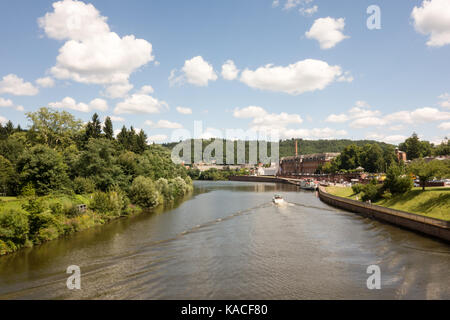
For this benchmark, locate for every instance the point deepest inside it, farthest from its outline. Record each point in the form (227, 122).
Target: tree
(108, 129)
(415, 148)
(371, 158)
(94, 128)
(443, 149)
(8, 176)
(53, 128)
(44, 168)
(350, 157)
(396, 179)
(424, 171)
(144, 193)
(141, 142)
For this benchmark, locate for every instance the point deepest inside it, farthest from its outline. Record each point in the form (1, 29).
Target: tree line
(59, 163)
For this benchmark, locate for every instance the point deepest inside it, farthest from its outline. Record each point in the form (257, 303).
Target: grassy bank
(433, 202)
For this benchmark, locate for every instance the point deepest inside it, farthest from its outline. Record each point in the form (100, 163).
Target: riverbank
(432, 203)
(29, 221)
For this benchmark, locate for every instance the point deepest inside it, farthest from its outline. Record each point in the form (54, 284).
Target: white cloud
(315, 133)
(249, 112)
(196, 71)
(116, 119)
(20, 108)
(444, 126)
(118, 90)
(309, 11)
(433, 18)
(445, 103)
(92, 53)
(367, 122)
(157, 138)
(295, 79)
(5, 102)
(140, 103)
(3, 120)
(264, 121)
(275, 3)
(164, 124)
(146, 89)
(291, 4)
(14, 85)
(46, 82)
(429, 114)
(395, 139)
(337, 118)
(327, 31)
(229, 70)
(70, 103)
(183, 110)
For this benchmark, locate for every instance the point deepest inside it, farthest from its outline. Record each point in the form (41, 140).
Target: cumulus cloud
(328, 31)
(3, 120)
(444, 126)
(433, 19)
(229, 70)
(362, 116)
(309, 11)
(157, 138)
(264, 121)
(314, 133)
(164, 124)
(183, 110)
(14, 85)
(300, 77)
(92, 53)
(116, 119)
(70, 103)
(46, 82)
(140, 103)
(195, 71)
(118, 90)
(5, 102)
(445, 100)
(146, 89)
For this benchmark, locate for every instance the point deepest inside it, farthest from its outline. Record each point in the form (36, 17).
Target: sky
(310, 69)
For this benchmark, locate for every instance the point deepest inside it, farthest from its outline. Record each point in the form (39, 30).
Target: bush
(143, 192)
(56, 208)
(14, 226)
(45, 227)
(108, 203)
(83, 185)
(357, 188)
(371, 192)
(28, 190)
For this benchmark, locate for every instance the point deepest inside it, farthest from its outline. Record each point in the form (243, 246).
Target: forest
(57, 164)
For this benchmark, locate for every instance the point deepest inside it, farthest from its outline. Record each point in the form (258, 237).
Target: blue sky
(381, 84)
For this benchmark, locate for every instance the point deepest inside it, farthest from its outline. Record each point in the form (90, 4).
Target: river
(228, 241)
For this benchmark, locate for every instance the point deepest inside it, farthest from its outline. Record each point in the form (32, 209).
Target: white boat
(277, 199)
(308, 184)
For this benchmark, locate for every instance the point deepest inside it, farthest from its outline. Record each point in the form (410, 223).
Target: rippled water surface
(228, 241)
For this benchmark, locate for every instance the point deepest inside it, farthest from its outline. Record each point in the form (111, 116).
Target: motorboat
(278, 200)
(308, 184)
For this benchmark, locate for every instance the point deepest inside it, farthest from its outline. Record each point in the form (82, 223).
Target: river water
(228, 241)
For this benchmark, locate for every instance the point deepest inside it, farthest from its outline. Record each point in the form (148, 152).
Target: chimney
(296, 149)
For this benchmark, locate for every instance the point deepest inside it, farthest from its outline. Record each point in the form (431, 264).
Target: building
(401, 155)
(305, 164)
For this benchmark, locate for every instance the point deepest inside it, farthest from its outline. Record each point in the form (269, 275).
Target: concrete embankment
(430, 226)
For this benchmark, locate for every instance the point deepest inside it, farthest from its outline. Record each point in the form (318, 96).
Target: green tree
(424, 171)
(53, 128)
(108, 129)
(94, 128)
(8, 177)
(415, 148)
(397, 181)
(371, 158)
(350, 157)
(44, 168)
(443, 149)
(144, 193)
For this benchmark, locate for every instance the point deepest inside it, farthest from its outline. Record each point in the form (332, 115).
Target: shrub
(45, 227)
(144, 193)
(14, 226)
(56, 208)
(83, 185)
(28, 190)
(108, 203)
(357, 188)
(371, 192)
